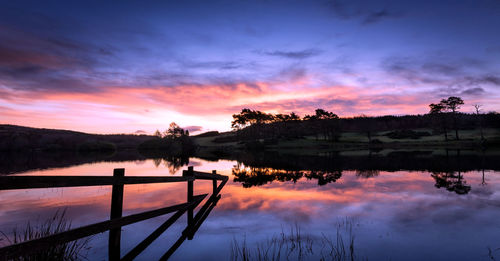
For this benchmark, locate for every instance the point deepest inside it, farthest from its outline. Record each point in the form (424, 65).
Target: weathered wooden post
(116, 212)
(190, 196)
(214, 183)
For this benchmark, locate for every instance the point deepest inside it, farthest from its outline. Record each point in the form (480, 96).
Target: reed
(293, 244)
(74, 250)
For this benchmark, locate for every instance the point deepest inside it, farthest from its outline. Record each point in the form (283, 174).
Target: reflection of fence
(116, 221)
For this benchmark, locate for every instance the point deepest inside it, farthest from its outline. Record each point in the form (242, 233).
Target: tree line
(175, 140)
(442, 117)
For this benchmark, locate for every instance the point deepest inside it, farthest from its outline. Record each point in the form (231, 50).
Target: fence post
(190, 195)
(214, 183)
(116, 212)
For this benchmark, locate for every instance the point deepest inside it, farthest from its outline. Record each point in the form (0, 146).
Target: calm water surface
(399, 215)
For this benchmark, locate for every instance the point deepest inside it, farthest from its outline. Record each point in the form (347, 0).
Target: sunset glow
(129, 66)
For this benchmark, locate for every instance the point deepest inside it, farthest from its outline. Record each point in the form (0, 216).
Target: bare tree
(480, 119)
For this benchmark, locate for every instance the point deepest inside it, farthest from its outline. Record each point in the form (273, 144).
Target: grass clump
(74, 250)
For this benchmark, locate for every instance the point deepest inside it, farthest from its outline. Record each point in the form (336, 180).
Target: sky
(137, 66)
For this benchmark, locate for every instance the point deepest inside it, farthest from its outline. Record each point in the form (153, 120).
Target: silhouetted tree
(367, 127)
(174, 131)
(325, 122)
(438, 111)
(329, 124)
(325, 115)
(294, 117)
(286, 117)
(453, 104)
(249, 117)
(280, 117)
(158, 134)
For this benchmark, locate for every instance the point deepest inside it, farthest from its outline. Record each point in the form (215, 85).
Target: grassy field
(209, 141)
(355, 142)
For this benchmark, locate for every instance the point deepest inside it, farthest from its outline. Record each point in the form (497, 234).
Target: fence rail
(116, 221)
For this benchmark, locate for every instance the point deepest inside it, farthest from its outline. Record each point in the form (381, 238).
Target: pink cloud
(126, 109)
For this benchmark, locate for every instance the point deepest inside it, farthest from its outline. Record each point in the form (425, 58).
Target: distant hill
(19, 138)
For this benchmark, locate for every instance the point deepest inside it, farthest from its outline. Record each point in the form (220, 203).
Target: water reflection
(434, 161)
(409, 206)
(255, 176)
(451, 181)
(333, 162)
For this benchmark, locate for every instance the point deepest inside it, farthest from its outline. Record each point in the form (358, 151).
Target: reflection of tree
(257, 176)
(157, 162)
(451, 181)
(172, 163)
(324, 177)
(483, 181)
(175, 163)
(367, 173)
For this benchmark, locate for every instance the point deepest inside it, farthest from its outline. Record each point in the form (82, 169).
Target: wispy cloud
(362, 11)
(301, 54)
(448, 76)
(473, 91)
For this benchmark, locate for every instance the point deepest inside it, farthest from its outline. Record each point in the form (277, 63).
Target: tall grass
(294, 245)
(74, 250)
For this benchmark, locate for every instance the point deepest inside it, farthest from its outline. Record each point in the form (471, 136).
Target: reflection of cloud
(400, 202)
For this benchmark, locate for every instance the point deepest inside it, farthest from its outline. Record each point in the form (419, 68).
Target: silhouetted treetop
(436, 108)
(321, 114)
(175, 131)
(249, 117)
(452, 104)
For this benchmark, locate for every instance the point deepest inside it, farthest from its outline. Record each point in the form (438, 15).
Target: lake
(399, 207)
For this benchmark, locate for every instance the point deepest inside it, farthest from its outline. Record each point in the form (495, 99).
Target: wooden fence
(116, 221)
